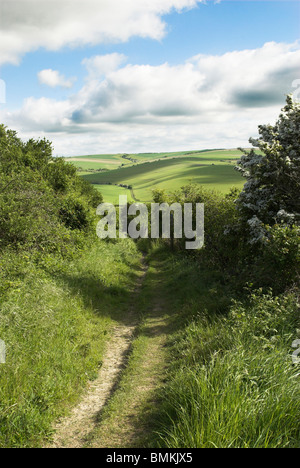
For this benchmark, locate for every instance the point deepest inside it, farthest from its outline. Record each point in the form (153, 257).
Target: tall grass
(55, 319)
(233, 383)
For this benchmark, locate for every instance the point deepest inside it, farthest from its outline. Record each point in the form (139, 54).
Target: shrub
(74, 214)
(271, 193)
(221, 245)
(277, 262)
(43, 202)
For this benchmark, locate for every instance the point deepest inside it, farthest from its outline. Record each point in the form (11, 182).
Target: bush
(74, 214)
(29, 214)
(271, 193)
(221, 245)
(43, 202)
(277, 261)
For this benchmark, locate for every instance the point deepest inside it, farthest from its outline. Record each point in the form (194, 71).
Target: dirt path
(71, 432)
(130, 418)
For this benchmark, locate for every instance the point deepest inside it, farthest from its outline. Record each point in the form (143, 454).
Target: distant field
(111, 161)
(105, 157)
(95, 162)
(213, 169)
(111, 193)
(211, 154)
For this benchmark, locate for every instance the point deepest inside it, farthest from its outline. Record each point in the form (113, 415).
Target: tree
(271, 193)
(42, 198)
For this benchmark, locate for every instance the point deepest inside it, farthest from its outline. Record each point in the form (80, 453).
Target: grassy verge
(231, 381)
(222, 369)
(204, 371)
(55, 320)
(130, 417)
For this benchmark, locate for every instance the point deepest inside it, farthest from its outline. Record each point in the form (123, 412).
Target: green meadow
(169, 171)
(96, 162)
(111, 193)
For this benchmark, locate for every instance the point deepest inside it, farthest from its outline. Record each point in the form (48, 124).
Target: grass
(204, 371)
(111, 193)
(129, 418)
(222, 369)
(169, 171)
(231, 383)
(214, 170)
(55, 321)
(91, 163)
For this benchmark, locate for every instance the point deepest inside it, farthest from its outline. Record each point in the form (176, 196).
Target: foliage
(233, 383)
(221, 246)
(276, 263)
(268, 206)
(271, 193)
(44, 204)
(273, 262)
(55, 318)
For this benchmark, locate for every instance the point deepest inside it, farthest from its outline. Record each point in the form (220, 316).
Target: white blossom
(271, 193)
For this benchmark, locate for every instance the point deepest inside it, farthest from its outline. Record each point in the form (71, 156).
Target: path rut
(71, 431)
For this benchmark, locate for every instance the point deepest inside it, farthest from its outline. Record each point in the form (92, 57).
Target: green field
(96, 162)
(169, 171)
(111, 193)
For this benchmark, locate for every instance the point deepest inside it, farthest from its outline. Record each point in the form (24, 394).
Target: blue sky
(149, 77)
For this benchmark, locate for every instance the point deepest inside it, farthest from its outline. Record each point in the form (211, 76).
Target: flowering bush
(271, 193)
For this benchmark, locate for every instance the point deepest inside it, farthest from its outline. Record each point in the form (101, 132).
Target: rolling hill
(169, 171)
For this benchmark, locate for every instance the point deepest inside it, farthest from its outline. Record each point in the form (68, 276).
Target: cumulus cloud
(100, 65)
(203, 87)
(26, 25)
(53, 79)
(139, 92)
(208, 101)
(40, 115)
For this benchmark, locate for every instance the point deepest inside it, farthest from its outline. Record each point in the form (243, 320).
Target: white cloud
(204, 88)
(103, 64)
(26, 25)
(54, 79)
(40, 115)
(208, 101)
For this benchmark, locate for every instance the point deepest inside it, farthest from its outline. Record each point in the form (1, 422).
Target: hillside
(170, 171)
(141, 343)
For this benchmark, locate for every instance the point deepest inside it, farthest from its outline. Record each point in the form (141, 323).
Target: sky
(130, 76)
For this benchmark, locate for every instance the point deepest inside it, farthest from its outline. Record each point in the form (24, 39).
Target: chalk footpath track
(72, 431)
